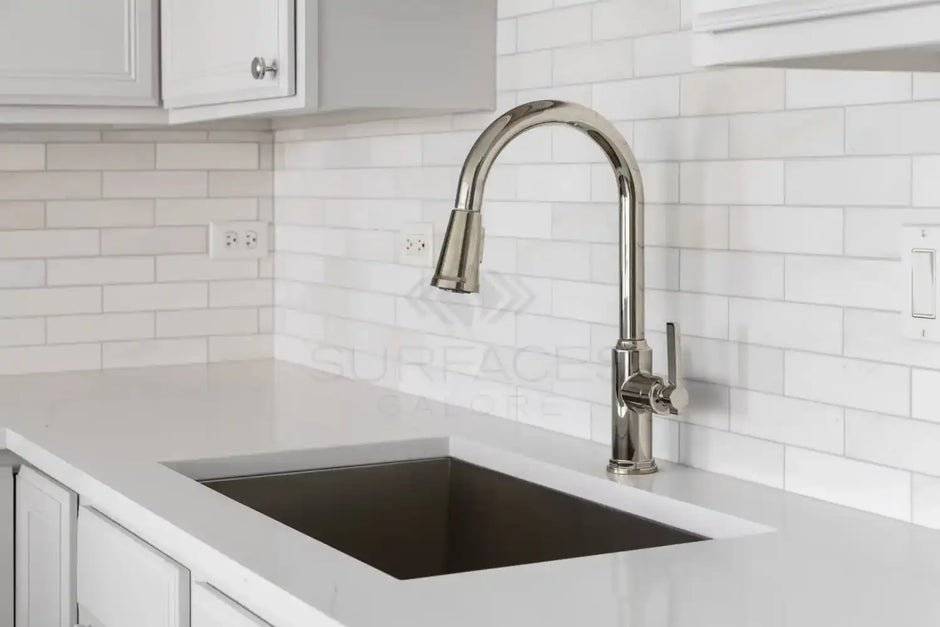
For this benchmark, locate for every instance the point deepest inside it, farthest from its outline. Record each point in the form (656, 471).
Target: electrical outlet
(238, 240)
(416, 244)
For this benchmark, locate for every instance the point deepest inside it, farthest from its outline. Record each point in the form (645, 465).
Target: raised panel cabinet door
(209, 47)
(45, 551)
(93, 52)
(211, 608)
(125, 582)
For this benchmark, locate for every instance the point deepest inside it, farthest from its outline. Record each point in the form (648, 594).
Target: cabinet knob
(260, 69)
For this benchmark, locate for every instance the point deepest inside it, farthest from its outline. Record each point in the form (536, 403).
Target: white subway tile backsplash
(788, 420)
(859, 181)
(156, 296)
(38, 359)
(876, 335)
(925, 389)
(161, 240)
(681, 139)
(926, 501)
(892, 129)
(810, 230)
(755, 275)
(893, 441)
(48, 243)
(98, 213)
(786, 325)
(143, 184)
(49, 301)
(524, 71)
(21, 214)
(628, 18)
(553, 29)
(99, 327)
(732, 91)
(22, 273)
(668, 53)
(162, 352)
(49, 185)
(598, 61)
(174, 268)
(830, 88)
(868, 283)
(812, 133)
(98, 156)
(847, 382)
(22, 157)
(99, 270)
(638, 99)
(206, 322)
(732, 454)
(22, 332)
(844, 481)
(926, 183)
(78, 242)
(732, 182)
(202, 156)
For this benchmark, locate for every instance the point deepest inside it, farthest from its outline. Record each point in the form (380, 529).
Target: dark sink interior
(439, 516)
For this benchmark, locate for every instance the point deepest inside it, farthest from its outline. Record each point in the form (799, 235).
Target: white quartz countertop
(106, 434)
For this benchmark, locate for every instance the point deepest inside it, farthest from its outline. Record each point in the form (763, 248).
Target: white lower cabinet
(125, 582)
(211, 608)
(45, 551)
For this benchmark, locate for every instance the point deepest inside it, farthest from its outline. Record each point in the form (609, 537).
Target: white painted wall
(774, 204)
(103, 248)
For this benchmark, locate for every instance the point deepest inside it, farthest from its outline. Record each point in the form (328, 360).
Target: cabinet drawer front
(79, 53)
(123, 581)
(208, 47)
(45, 551)
(211, 608)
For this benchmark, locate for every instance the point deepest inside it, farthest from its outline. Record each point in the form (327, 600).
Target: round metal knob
(259, 69)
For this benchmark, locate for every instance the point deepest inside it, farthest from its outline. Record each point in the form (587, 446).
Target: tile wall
(774, 201)
(103, 248)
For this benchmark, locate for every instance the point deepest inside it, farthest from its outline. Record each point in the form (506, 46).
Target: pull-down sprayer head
(458, 268)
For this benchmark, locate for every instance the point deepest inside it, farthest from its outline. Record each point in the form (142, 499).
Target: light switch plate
(920, 251)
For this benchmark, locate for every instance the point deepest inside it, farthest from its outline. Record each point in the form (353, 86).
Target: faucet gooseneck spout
(636, 391)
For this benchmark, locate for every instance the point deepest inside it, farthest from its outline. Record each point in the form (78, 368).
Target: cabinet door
(45, 551)
(123, 581)
(209, 45)
(94, 52)
(211, 608)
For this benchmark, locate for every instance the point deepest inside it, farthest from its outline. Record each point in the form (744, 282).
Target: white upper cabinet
(88, 52)
(840, 34)
(46, 516)
(125, 582)
(373, 57)
(209, 47)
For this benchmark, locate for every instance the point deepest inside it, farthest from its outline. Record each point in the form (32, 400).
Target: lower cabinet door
(45, 551)
(211, 608)
(125, 582)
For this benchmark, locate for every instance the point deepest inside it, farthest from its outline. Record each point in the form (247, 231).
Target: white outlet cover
(244, 246)
(416, 244)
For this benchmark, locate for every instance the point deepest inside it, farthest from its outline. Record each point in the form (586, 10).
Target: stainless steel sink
(438, 516)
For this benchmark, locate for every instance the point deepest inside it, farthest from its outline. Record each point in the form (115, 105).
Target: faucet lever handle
(675, 393)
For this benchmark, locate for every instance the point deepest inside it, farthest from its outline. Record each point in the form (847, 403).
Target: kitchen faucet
(637, 392)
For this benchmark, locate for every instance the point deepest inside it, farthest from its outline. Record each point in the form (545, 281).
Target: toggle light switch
(923, 283)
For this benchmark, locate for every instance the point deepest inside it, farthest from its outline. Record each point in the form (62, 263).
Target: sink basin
(428, 517)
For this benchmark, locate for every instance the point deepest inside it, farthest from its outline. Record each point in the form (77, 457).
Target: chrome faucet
(637, 392)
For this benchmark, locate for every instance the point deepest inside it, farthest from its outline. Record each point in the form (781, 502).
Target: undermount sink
(427, 517)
